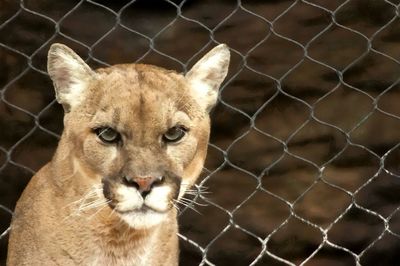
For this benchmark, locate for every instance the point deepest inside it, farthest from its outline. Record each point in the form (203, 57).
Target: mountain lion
(134, 141)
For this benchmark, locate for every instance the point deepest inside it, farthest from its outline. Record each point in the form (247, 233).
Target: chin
(143, 218)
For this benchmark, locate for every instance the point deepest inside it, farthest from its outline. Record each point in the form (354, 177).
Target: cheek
(182, 154)
(100, 157)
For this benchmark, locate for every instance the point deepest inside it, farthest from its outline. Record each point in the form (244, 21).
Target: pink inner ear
(62, 78)
(214, 78)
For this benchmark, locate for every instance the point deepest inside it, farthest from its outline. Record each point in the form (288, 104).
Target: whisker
(83, 198)
(92, 205)
(200, 187)
(93, 191)
(196, 193)
(69, 216)
(175, 206)
(92, 199)
(94, 214)
(190, 206)
(112, 211)
(88, 200)
(197, 188)
(189, 201)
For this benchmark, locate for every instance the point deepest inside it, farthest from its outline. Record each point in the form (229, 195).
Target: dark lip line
(143, 209)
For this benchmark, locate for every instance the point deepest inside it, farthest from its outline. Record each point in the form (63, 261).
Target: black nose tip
(143, 184)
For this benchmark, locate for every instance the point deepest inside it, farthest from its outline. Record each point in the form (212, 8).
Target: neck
(123, 243)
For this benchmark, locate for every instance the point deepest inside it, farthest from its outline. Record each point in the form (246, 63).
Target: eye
(174, 134)
(107, 135)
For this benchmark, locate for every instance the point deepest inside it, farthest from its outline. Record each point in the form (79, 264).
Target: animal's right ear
(70, 75)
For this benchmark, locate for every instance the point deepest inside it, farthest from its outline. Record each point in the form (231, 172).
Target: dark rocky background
(305, 139)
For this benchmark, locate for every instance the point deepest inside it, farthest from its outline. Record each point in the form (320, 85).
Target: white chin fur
(143, 220)
(158, 198)
(130, 201)
(129, 198)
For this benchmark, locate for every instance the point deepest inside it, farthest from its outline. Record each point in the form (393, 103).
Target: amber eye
(174, 134)
(107, 135)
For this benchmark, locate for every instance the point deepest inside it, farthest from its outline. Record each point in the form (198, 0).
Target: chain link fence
(303, 165)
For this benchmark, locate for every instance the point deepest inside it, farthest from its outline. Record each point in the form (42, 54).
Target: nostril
(143, 184)
(130, 182)
(158, 180)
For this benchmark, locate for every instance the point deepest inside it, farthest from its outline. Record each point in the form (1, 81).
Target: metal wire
(342, 70)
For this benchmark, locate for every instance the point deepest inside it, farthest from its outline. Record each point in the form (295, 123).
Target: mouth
(144, 209)
(143, 217)
(138, 205)
(126, 200)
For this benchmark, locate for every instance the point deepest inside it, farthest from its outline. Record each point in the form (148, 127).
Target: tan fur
(73, 210)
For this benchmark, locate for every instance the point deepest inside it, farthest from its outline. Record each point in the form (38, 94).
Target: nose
(143, 184)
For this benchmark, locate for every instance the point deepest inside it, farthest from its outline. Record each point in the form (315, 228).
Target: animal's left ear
(207, 74)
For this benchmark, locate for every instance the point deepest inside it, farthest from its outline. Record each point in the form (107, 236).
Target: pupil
(109, 134)
(174, 133)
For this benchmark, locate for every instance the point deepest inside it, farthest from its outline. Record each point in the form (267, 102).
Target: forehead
(141, 93)
(133, 79)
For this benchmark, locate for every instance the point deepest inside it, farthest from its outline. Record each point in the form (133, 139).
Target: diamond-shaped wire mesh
(303, 164)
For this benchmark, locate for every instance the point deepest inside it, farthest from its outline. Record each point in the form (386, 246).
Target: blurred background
(303, 165)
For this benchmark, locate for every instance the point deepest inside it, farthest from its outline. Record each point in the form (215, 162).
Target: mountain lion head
(139, 132)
